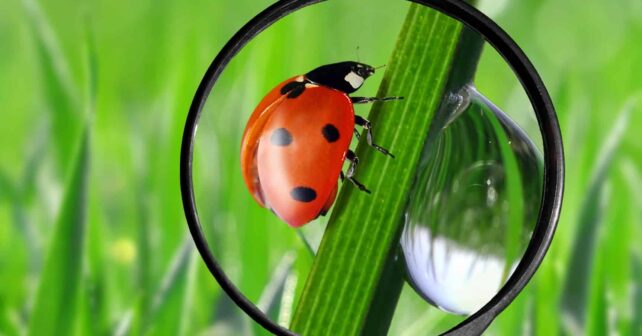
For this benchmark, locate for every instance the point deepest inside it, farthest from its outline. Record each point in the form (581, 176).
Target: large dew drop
(474, 204)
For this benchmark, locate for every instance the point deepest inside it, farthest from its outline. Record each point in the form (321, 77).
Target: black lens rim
(532, 84)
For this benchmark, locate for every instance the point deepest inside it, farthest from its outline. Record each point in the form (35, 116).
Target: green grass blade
(123, 325)
(597, 306)
(170, 309)
(8, 326)
(385, 299)
(270, 301)
(96, 316)
(229, 319)
(58, 85)
(576, 293)
(363, 232)
(636, 325)
(7, 190)
(272, 297)
(514, 194)
(93, 313)
(629, 300)
(55, 306)
(545, 285)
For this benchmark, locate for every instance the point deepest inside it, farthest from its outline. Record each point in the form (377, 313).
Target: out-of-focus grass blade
(21, 196)
(94, 317)
(35, 160)
(424, 323)
(302, 265)
(144, 278)
(84, 314)
(7, 189)
(517, 319)
(575, 297)
(56, 302)
(597, 320)
(415, 317)
(8, 326)
(123, 325)
(229, 320)
(288, 298)
(617, 244)
(97, 307)
(514, 190)
(58, 85)
(636, 325)
(428, 323)
(270, 299)
(170, 308)
(546, 283)
(632, 175)
(91, 65)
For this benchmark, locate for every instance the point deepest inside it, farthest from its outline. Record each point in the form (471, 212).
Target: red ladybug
(297, 138)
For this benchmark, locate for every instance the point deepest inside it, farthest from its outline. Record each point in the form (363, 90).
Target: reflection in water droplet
(473, 206)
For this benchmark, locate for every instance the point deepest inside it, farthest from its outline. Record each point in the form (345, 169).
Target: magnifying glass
(432, 252)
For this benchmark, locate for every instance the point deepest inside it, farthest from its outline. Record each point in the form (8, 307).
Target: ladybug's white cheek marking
(354, 80)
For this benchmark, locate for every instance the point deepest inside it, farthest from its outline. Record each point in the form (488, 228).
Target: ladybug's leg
(356, 134)
(366, 100)
(354, 161)
(368, 127)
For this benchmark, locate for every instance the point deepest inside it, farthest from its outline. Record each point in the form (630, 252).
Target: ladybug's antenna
(379, 67)
(358, 57)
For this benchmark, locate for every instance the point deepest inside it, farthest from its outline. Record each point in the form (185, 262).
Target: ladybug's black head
(345, 76)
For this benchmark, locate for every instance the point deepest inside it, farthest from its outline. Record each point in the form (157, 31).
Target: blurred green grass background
(96, 94)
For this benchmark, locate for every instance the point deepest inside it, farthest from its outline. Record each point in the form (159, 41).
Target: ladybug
(298, 137)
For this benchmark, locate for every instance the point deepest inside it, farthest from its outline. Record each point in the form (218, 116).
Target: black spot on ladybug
(303, 194)
(293, 89)
(281, 137)
(330, 133)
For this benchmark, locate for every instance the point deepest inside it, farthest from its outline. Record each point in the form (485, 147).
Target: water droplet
(473, 206)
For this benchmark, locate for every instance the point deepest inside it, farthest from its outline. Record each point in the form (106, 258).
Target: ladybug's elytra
(298, 137)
